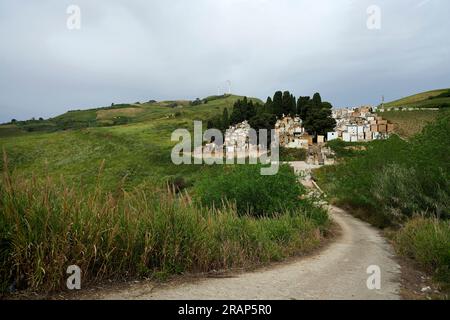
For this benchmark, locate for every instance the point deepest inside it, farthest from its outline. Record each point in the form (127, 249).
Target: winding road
(339, 271)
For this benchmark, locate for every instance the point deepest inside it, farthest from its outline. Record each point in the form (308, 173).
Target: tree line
(315, 113)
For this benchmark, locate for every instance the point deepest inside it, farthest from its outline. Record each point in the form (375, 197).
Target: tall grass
(428, 242)
(45, 226)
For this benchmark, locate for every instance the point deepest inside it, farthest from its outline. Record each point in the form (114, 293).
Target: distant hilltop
(430, 100)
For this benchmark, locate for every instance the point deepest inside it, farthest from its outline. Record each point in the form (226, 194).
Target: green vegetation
(10, 131)
(252, 193)
(120, 114)
(352, 182)
(134, 217)
(408, 124)
(315, 113)
(391, 183)
(429, 99)
(427, 242)
(401, 178)
(46, 226)
(135, 153)
(316, 116)
(289, 155)
(344, 149)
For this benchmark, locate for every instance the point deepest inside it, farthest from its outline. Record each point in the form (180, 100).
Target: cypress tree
(236, 115)
(225, 119)
(278, 104)
(302, 106)
(317, 100)
(286, 103)
(268, 107)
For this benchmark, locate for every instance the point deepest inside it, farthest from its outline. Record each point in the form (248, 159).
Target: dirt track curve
(337, 272)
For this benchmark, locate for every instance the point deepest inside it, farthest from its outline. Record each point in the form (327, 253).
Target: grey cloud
(130, 50)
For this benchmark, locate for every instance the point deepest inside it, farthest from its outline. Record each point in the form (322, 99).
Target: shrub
(196, 102)
(252, 193)
(427, 241)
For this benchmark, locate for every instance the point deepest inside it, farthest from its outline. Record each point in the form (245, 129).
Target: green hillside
(91, 188)
(430, 99)
(133, 139)
(408, 124)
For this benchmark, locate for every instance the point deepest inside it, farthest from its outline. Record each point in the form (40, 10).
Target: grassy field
(45, 226)
(408, 124)
(10, 131)
(133, 153)
(429, 99)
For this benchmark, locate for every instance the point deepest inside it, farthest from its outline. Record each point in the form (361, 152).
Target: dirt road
(337, 272)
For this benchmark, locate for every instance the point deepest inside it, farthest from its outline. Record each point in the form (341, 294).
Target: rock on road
(337, 272)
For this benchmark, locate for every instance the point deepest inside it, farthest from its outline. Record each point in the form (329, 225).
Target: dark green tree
(225, 119)
(243, 110)
(318, 118)
(277, 104)
(250, 110)
(317, 99)
(302, 104)
(263, 121)
(237, 116)
(268, 106)
(288, 104)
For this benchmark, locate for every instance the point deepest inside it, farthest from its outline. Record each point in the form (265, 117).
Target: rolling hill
(407, 124)
(134, 140)
(430, 99)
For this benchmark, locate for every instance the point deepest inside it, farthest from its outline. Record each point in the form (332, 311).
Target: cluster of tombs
(360, 124)
(352, 125)
(292, 134)
(240, 141)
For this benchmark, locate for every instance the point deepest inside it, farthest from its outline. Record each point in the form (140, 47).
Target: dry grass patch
(410, 123)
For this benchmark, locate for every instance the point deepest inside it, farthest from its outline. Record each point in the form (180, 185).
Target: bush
(252, 193)
(196, 102)
(427, 241)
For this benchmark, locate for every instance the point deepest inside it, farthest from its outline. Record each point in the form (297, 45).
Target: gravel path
(337, 272)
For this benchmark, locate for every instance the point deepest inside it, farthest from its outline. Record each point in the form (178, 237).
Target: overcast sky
(137, 50)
